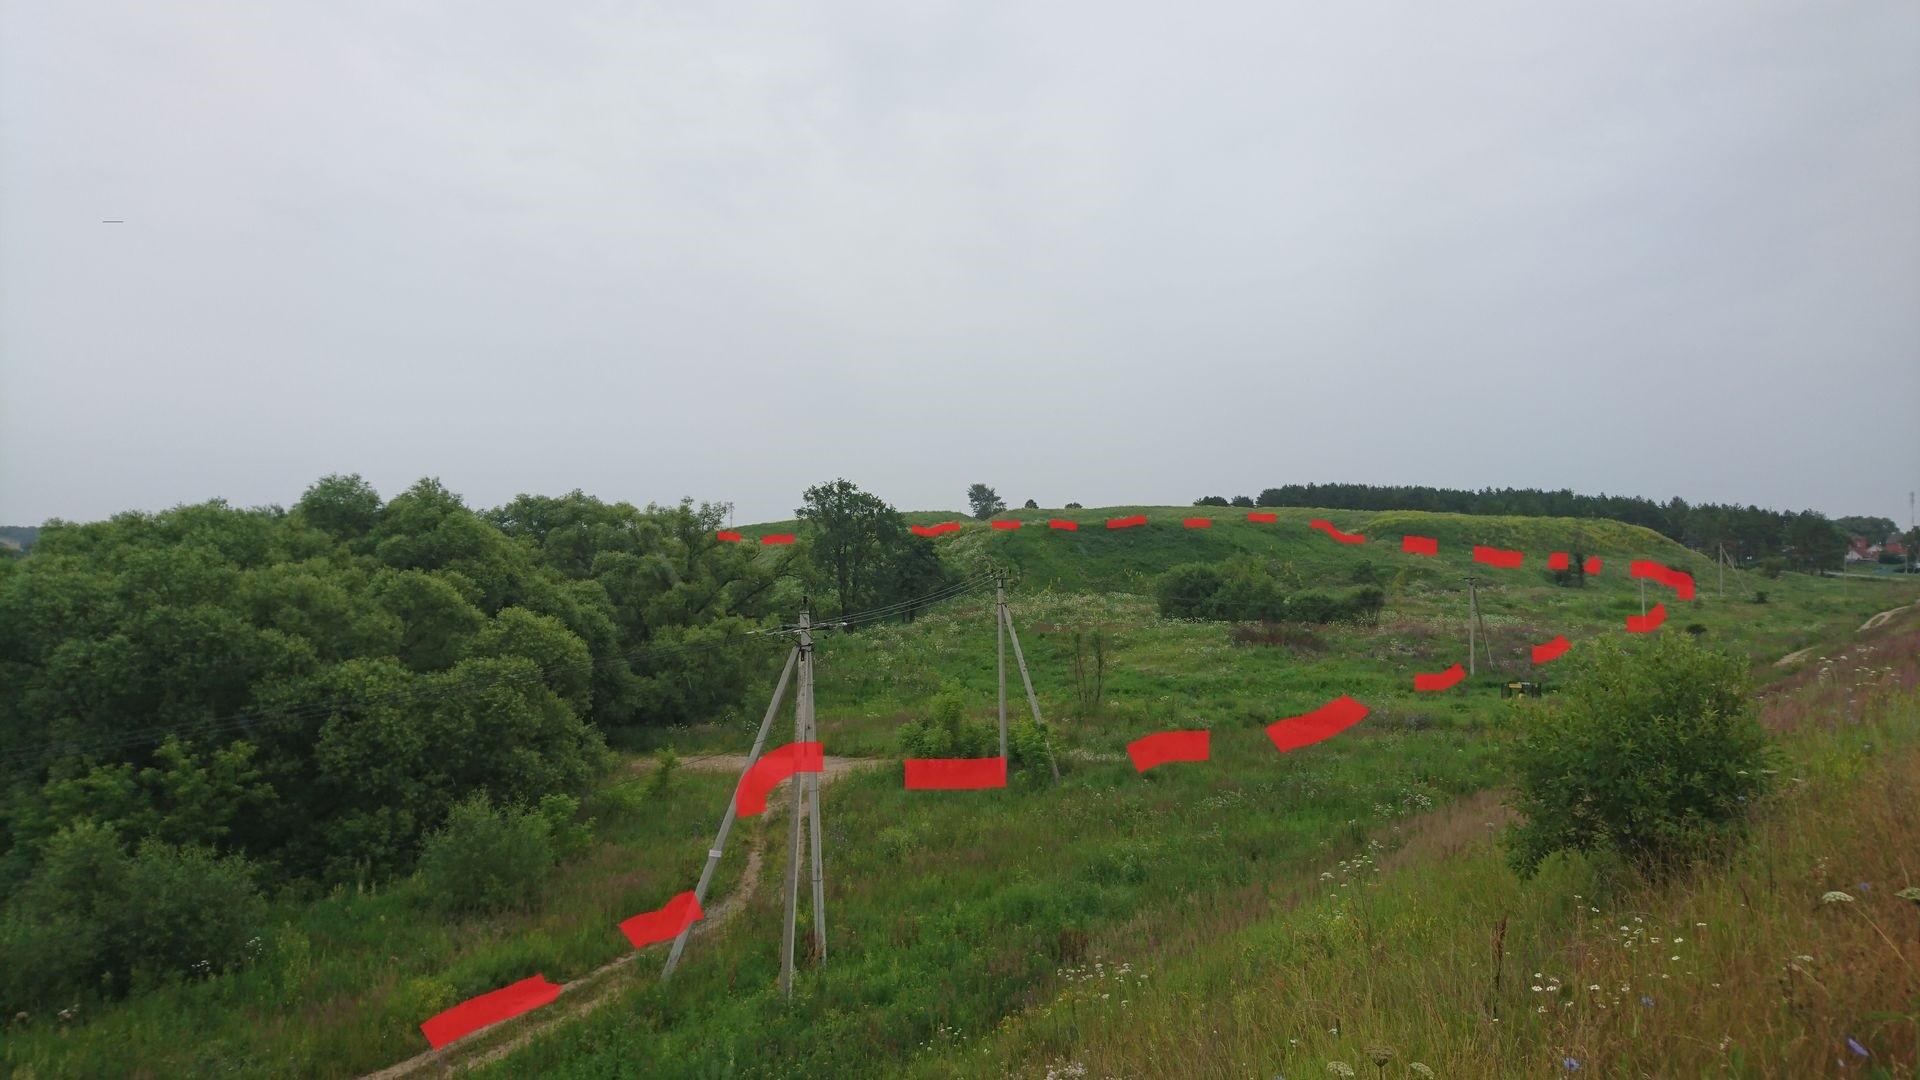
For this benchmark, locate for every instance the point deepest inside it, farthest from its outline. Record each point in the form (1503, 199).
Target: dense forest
(1805, 540)
(198, 703)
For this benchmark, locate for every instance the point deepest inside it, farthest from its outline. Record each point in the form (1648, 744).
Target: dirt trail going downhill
(594, 989)
(1882, 618)
(1873, 623)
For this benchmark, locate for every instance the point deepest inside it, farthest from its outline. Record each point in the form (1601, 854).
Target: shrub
(945, 732)
(1187, 591)
(1073, 506)
(94, 918)
(1031, 505)
(1243, 500)
(489, 858)
(1211, 500)
(1651, 754)
(1772, 567)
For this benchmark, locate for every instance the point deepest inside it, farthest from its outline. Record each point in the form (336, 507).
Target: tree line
(1805, 540)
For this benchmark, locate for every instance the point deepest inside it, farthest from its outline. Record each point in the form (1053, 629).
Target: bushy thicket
(1254, 590)
(318, 688)
(1651, 752)
(95, 919)
(490, 858)
(945, 732)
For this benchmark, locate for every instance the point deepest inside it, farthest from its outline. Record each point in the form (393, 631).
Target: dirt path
(594, 989)
(1882, 618)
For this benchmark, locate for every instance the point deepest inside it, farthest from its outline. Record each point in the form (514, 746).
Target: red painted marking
(650, 926)
(728, 535)
(926, 530)
(1557, 561)
(1642, 624)
(1505, 560)
(1439, 680)
(1679, 580)
(1127, 522)
(777, 538)
(1006, 524)
(1552, 650)
(1198, 523)
(750, 797)
(1592, 566)
(1420, 545)
(1169, 746)
(1253, 515)
(1343, 537)
(1056, 523)
(956, 774)
(1324, 722)
(475, 1013)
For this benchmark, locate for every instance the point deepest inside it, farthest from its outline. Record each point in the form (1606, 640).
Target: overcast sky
(1112, 252)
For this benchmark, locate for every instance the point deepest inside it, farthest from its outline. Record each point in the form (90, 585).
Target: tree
(1243, 500)
(343, 507)
(1874, 529)
(1031, 505)
(864, 547)
(1211, 500)
(985, 501)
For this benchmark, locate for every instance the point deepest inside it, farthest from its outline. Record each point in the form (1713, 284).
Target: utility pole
(813, 795)
(1006, 620)
(791, 893)
(1643, 597)
(726, 820)
(1473, 619)
(1720, 565)
(1000, 645)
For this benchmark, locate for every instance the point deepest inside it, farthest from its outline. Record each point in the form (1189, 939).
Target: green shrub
(1772, 567)
(1652, 754)
(945, 732)
(1187, 591)
(489, 858)
(95, 919)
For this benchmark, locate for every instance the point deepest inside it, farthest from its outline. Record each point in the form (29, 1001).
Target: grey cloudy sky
(1112, 252)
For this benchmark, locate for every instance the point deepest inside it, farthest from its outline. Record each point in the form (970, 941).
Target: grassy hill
(1198, 920)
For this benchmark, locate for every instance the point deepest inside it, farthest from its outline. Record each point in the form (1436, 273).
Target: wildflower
(1420, 1069)
(1909, 893)
(1854, 1045)
(1380, 1054)
(1678, 940)
(1836, 897)
(1593, 986)
(1645, 1000)
(1340, 1068)
(1570, 1063)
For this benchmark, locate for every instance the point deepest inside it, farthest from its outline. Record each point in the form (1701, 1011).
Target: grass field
(971, 933)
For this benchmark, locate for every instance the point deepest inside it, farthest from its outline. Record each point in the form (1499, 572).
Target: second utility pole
(1000, 643)
(809, 785)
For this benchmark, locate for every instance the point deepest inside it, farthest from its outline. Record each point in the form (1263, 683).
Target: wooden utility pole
(1473, 620)
(1643, 597)
(726, 820)
(791, 893)
(813, 795)
(1006, 620)
(1000, 646)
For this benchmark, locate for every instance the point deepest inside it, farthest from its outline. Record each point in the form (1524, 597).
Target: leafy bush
(1252, 590)
(1652, 754)
(1243, 500)
(94, 918)
(1211, 500)
(1031, 505)
(1187, 591)
(1074, 506)
(1771, 567)
(489, 858)
(945, 732)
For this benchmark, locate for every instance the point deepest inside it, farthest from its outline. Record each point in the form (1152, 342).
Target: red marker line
(947, 527)
(1324, 722)
(650, 926)
(926, 530)
(750, 797)
(1169, 746)
(1198, 523)
(1056, 523)
(1679, 580)
(1262, 518)
(777, 538)
(956, 774)
(728, 535)
(1127, 522)
(1642, 624)
(1505, 560)
(1552, 650)
(1343, 537)
(1557, 561)
(1439, 680)
(1006, 524)
(1420, 545)
(475, 1013)
(1592, 566)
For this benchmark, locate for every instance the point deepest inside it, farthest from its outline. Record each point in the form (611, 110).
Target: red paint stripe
(1006, 524)
(1642, 624)
(948, 526)
(1557, 561)
(956, 774)
(1679, 581)
(777, 538)
(926, 530)
(1169, 746)
(769, 770)
(1343, 537)
(1056, 523)
(1439, 680)
(650, 926)
(1420, 545)
(728, 535)
(1324, 722)
(1197, 523)
(475, 1013)
(1552, 650)
(1127, 522)
(1262, 518)
(1505, 560)
(1592, 566)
